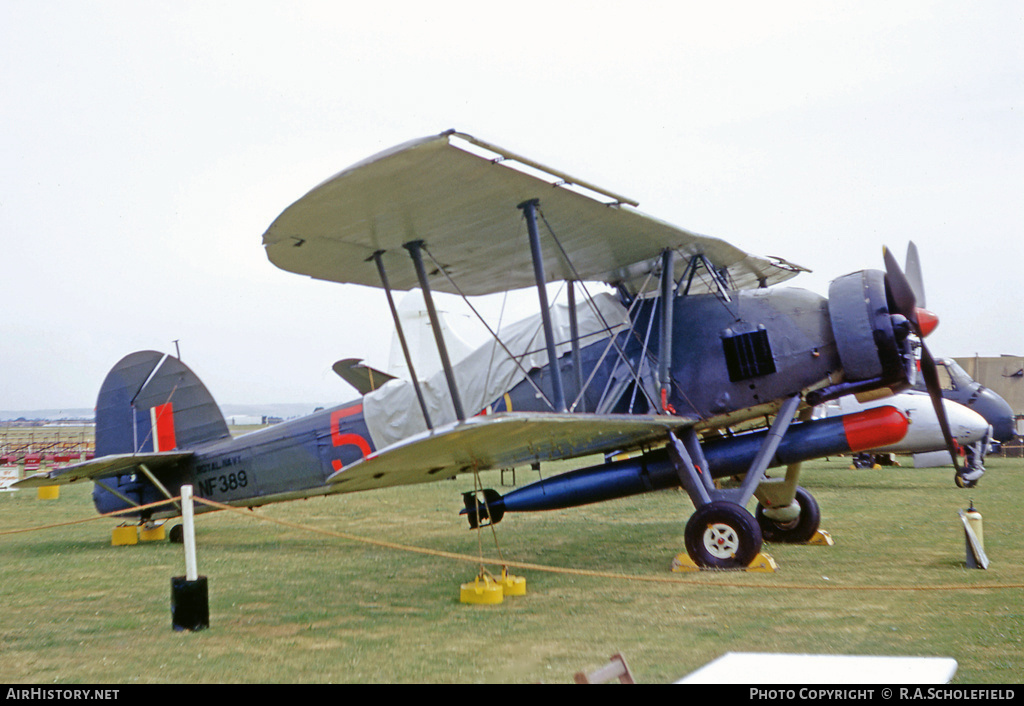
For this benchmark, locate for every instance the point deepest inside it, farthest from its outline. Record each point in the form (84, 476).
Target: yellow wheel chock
(762, 562)
(822, 538)
(152, 532)
(48, 492)
(125, 535)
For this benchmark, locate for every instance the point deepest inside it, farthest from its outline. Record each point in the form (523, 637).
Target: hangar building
(1004, 375)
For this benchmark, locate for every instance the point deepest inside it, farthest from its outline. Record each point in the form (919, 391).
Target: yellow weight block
(512, 585)
(48, 492)
(483, 590)
(126, 535)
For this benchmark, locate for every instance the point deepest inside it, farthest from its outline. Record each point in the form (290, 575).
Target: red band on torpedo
(875, 427)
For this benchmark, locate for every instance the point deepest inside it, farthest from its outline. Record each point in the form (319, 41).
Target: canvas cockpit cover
(392, 413)
(461, 197)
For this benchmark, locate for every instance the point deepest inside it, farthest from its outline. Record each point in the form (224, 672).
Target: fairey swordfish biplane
(675, 361)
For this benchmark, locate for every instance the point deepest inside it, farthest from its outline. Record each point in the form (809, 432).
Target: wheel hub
(721, 540)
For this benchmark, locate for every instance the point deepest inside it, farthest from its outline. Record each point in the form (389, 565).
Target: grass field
(291, 605)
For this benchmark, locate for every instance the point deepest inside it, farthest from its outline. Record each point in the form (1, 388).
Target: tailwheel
(722, 535)
(798, 530)
(968, 479)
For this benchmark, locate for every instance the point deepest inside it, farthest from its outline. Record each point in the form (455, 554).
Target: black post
(190, 603)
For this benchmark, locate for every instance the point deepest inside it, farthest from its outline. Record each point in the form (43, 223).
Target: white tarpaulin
(393, 413)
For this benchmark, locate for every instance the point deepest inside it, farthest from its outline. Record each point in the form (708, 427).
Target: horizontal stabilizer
(503, 440)
(362, 377)
(105, 467)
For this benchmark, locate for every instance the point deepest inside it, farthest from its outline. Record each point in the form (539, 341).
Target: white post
(188, 533)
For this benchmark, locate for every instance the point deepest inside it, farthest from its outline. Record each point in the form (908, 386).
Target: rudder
(151, 401)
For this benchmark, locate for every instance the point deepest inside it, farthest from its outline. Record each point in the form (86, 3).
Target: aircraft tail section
(151, 402)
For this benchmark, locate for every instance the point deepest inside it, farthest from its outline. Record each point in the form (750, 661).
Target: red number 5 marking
(339, 439)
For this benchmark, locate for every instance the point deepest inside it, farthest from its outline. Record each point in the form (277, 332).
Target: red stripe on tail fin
(163, 427)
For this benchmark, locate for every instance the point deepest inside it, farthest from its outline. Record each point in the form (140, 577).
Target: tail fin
(150, 401)
(485, 511)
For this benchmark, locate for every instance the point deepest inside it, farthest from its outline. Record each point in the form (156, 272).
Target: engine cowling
(873, 340)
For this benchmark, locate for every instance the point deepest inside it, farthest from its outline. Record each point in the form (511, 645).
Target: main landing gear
(721, 533)
(724, 535)
(797, 530)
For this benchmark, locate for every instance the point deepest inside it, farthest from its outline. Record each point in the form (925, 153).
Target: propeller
(913, 270)
(905, 298)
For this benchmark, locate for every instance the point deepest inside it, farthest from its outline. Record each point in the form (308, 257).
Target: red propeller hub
(926, 321)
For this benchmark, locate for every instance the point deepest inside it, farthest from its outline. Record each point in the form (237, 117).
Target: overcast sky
(146, 147)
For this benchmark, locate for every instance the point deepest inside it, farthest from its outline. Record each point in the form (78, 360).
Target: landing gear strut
(721, 534)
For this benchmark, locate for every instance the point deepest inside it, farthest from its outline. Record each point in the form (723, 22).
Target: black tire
(722, 535)
(800, 530)
(177, 534)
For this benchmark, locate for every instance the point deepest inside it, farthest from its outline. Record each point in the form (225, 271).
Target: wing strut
(716, 276)
(529, 209)
(401, 337)
(574, 334)
(667, 308)
(160, 486)
(414, 249)
(115, 493)
(621, 353)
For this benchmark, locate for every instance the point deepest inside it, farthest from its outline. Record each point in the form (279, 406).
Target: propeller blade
(905, 299)
(899, 287)
(914, 277)
(931, 379)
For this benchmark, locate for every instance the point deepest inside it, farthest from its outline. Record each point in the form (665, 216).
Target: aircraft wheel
(722, 535)
(800, 530)
(177, 534)
(962, 482)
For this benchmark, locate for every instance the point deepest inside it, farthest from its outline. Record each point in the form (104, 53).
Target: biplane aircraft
(692, 352)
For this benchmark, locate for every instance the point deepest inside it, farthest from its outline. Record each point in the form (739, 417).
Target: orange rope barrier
(526, 565)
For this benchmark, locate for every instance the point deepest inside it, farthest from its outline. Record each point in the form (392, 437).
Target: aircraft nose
(966, 425)
(997, 412)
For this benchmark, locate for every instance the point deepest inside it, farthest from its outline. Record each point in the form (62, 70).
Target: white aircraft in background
(924, 437)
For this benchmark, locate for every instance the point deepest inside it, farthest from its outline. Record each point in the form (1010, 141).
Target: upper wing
(104, 467)
(501, 441)
(461, 196)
